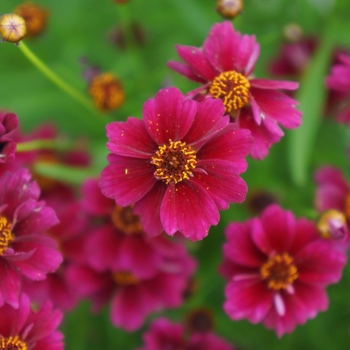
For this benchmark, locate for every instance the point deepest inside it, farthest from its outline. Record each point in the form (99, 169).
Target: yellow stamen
(174, 162)
(125, 220)
(12, 343)
(279, 271)
(6, 236)
(232, 88)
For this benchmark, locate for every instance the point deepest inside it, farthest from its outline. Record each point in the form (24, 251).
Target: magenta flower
(224, 67)
(23, 329)
(24, 250)
(339, 81)
(179, 166)
(8, 124)
(166, 335)
(277, 269)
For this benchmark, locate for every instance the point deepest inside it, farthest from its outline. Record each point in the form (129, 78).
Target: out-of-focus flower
(200, 321)
(13, 28)
(24, 249)
(106, 91)
(35, 16)
(164, 334)
(224, 67)
(229, 8)
(277, 269)
(23, 329)
(339, 81)
(8, 124)
(179, 166)
(137, 274)
(258, 200)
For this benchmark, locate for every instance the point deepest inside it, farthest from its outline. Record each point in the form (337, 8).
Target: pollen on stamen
(12, 343)
(124, 278)
(6, 236)
(279, 271)
(174, 162)
(232, 88)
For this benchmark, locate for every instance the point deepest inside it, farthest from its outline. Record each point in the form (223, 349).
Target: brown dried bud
(200, 321)
(229, 8)
(107, 92)
(35, 16)
(13, 28)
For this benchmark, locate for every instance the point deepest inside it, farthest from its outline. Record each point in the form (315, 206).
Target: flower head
(164, 334)
(24, 329)
(277, 269)
(178, 165)
(8, 124)
(24, 249)
(224, 67)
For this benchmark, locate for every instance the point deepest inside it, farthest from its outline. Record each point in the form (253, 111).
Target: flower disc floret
(125, 278)
(232, 88)
(12, 343)
(6, 236)
(174, 162)
(279, 271)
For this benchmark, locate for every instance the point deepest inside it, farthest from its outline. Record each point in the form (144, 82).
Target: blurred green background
(81, 28)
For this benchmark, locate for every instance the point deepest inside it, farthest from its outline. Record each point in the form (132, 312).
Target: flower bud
(13, 28)
(332, 225)
(229, 8)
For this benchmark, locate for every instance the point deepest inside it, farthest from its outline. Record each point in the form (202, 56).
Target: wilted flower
(35, 17)
(178, 166)
(224, 67)
(277, 269)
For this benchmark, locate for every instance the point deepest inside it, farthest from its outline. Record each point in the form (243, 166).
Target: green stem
(43, 144)
(75, 94)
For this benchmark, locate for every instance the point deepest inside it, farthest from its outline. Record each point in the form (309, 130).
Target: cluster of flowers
(169, 173)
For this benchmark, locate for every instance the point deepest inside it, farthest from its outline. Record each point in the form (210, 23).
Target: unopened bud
(293, 32)
(229, 8)
(13, 28)
(332, 225)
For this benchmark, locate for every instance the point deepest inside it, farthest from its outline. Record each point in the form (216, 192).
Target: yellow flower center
(6, 236)
(106, 92)
(125, 220)
(232, 88)
(124, 278)
(279, 271)
(174, 162)
(12, 343)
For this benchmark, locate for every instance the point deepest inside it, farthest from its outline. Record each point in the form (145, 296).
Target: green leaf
(312, 98)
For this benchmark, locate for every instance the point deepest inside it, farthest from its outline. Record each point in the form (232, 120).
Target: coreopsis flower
(277, 269)
(339, 81)
(22, 328)
(13, 28)
(24, 249)
(224, 67)
(164, 334)
(35, 16)
(106, 91)
(8, 124)
(179, 166)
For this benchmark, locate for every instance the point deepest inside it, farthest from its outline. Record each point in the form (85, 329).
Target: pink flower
(22, 328)
(339, 81)
(179, 166)
(8, 124)
(166, 335)
(277, 269)
(224, 67)
(24, 250)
